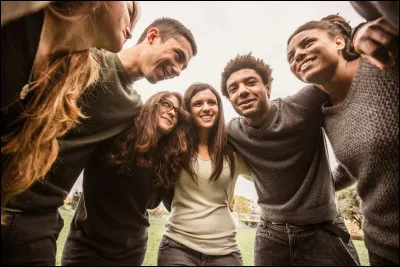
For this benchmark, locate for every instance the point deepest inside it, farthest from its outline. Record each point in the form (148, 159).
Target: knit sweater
(364, 132)
(287, 158)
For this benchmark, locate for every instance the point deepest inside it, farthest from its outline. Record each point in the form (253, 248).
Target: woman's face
(314, 56)
(204, 109)
(168, 113)
(113, 22)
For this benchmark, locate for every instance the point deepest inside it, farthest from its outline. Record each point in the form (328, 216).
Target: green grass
(245, 239)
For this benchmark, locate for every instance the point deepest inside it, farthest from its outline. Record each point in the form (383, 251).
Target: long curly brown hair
(51, 110)
(139, 146)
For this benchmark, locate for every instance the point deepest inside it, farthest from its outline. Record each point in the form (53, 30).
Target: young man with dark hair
(34, 222)
(283, 144)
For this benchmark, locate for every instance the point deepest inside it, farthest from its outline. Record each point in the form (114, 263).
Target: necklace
(27, 87)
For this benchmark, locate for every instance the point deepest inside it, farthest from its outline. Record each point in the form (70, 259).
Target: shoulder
(310, 96)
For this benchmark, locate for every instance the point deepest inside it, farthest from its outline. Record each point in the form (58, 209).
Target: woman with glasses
(200, 228)
(128, 175)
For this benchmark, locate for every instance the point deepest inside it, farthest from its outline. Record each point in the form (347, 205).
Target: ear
(340, 43)
(152, 34)
(268, 87)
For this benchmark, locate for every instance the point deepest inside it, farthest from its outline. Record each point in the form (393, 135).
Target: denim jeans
(30, 238)
(172, 253)
(285, 244)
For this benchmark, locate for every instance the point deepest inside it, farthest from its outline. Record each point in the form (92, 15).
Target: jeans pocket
(167, 242)
(263, 231)
(342, 251)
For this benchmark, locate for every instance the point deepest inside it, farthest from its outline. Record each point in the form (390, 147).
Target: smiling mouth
(246, 102)
(206, 117)
(166, 74)
(169, 121)
(306, 63)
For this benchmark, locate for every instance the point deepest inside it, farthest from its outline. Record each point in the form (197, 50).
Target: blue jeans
(285, 244)
(173, 253)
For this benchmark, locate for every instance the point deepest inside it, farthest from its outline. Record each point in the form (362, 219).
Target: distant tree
(349, 203)
(240, 204)
(75, 199)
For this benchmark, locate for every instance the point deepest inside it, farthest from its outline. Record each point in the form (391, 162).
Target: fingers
(377, 42)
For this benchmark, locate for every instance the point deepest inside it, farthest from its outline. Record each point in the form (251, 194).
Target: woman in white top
(200, 229)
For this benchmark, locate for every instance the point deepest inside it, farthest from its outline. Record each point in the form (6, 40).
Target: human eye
(232, 89)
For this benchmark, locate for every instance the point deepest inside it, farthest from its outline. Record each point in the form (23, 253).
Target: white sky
(224, 29)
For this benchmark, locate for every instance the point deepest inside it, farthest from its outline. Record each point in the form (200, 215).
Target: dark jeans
(375, 260)
(30, 238)
(81, 250)
(285, 244)
(172, 253)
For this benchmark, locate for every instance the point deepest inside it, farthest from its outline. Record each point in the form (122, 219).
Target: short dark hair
(170, 28)
(246, 62)
(334, 25)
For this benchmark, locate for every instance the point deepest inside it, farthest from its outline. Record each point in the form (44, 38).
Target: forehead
(204, 94)
(304, 34)
(240, 75)
(174, 100)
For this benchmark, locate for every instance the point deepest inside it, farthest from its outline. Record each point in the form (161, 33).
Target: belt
(328, 226)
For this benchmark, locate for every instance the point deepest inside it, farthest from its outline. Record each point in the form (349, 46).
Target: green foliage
(349, 203)
(241, 204)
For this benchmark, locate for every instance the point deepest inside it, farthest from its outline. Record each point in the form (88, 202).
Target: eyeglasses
(167, 105)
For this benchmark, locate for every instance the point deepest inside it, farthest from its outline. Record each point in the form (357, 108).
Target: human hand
(377, 41)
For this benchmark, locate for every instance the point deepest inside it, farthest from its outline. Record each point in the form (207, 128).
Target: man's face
(166, 60)
(247, 93)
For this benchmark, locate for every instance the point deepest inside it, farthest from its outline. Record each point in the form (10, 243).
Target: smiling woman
(134, 171)
(204, 191)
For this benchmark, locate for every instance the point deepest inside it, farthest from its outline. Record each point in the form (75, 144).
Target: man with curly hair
(283, 144)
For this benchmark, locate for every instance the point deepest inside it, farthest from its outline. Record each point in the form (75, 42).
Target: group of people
(68, 105)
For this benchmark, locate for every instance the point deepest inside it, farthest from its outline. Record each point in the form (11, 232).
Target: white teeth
(206, 118)
(308, 62)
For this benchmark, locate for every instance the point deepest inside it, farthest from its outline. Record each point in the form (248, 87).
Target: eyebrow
(301, 44)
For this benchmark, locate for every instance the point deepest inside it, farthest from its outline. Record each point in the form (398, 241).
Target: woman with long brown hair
(126, 176)
(48, 60)
(200, 226)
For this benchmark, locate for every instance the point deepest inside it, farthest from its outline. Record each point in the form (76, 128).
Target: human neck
(203, 144)
(130, 58)
(258, 120)
(339, 85)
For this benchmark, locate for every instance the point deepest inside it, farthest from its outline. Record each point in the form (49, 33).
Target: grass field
(245, 239)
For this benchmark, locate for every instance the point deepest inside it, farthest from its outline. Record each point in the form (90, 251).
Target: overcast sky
(224, 29)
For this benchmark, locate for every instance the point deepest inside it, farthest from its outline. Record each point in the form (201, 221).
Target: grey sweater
(287, 158)
(364, 132)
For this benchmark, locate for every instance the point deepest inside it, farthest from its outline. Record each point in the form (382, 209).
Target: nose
(300, 55)
(128, 33)
(206, 107)
(172, 113)
(243, 91)
(177, 70)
